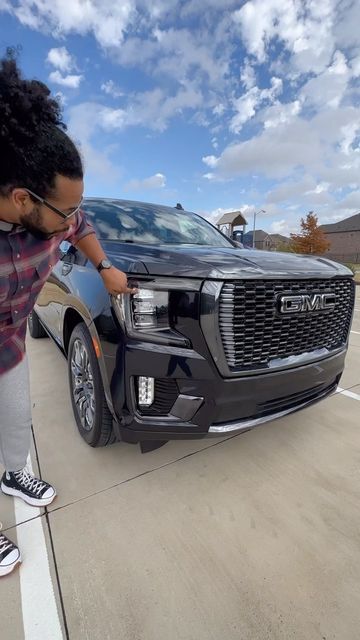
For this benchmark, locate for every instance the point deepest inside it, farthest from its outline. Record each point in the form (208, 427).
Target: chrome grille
(254, 333)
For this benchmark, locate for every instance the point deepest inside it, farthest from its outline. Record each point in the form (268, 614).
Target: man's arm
(115, 280)
(82, 235)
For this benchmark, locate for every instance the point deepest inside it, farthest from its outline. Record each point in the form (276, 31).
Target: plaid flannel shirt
(25, 264)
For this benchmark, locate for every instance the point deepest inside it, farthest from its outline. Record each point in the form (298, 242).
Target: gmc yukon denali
(216, 341)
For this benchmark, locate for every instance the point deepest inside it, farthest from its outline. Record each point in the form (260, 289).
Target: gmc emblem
(304, 303)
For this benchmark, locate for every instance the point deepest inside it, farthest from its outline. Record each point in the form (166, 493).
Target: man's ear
(21, 200)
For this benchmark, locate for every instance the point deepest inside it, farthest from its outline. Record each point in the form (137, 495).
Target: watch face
(106, 264)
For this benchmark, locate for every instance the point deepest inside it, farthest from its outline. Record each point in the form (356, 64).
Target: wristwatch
(104, 264)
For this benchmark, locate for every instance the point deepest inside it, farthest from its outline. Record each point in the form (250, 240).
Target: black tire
(92, 415)
(36, 329)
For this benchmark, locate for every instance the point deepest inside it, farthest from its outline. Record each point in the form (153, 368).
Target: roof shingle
(349, 224)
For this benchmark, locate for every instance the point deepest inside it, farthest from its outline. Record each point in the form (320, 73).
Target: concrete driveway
(250, 537)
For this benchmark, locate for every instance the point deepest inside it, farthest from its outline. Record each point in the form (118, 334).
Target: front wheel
(91, 412)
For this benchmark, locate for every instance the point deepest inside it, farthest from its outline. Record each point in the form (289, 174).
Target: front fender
(74, 305)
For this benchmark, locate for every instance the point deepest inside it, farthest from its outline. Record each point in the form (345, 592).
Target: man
(41, 188)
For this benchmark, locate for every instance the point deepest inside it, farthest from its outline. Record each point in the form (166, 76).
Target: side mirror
(71, 255)
(64, 248)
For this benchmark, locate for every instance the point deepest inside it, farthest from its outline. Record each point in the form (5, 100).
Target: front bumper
(217, 406)
(245, 425)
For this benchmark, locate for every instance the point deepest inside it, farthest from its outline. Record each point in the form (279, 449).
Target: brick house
(279, 241)
(262, 240)
(265, 241)
(344, 238)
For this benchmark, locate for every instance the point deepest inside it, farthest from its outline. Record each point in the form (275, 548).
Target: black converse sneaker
(9, 555)
(22, 484)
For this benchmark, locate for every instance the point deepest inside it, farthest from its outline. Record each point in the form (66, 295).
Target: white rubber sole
(4, 571)
(34, 502)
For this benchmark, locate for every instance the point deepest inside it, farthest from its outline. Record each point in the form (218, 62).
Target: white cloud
(158, 9)
(212, 70)
(158, 181)
(180, 54)
(211, 161)
(200, 118)
(355, 66)
(106, 20)
(61, 59)
(346, 25)
(194, 7)
(350, 202)
(305, 30)
(112, 89)
(290, 189)
(280, 113)
(349, 133)
(286, 226)
(248, 76)
(113, 118)
(219, 109)
(70, 81)
(83, 123)
(328, 88)
(247, 105)
(281, 227)
(245, 108)
(151, 109)
(311, 145)
(320, 188)
(306, 192)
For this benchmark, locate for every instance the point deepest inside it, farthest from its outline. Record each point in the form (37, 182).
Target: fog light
(146, 391)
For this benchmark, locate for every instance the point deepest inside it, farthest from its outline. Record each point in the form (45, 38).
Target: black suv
(217, 340)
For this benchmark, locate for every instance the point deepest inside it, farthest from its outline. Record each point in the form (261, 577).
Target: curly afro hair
(34, 147)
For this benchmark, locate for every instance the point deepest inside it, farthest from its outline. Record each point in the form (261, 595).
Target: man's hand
(116, 281)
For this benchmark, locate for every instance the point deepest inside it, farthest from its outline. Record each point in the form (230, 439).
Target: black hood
(218, 263)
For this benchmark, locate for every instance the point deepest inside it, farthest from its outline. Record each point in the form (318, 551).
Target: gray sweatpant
(15, 417)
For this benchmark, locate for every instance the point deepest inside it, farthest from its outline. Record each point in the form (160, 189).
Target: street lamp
(255, 214)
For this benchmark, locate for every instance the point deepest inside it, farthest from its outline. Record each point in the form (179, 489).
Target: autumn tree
(311, 238)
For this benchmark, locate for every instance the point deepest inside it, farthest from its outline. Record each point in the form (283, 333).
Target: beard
(33, 223)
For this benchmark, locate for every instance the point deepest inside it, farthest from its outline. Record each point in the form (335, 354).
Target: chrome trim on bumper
(245, 425)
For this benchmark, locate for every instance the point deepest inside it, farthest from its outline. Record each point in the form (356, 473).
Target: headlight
(150, 309)
(146, 316)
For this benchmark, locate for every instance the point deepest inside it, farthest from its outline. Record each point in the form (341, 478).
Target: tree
(311, 238)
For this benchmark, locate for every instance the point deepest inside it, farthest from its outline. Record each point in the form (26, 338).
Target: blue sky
(218, 105)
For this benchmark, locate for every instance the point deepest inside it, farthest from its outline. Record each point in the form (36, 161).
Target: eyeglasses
(47, 204)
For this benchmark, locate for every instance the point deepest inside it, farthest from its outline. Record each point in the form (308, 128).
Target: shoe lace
(5, 544)
(29, 482)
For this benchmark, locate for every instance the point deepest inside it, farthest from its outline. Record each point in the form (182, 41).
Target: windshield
(150, 224)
